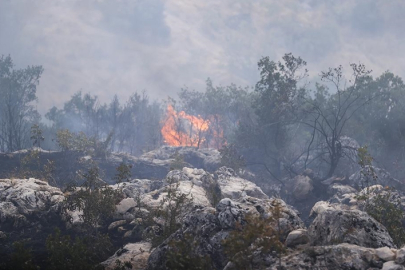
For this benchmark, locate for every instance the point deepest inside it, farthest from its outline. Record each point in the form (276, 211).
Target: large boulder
(300, 187)
(207, 227)
(381, 177)
(235, 187)
(337, 224)
(25, 202)
(29, 209)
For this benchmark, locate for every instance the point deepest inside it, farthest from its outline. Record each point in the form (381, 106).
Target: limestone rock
(303, 187)
(359, 180)
(341, 256)
(116, 224)
(235, 187)
(339, 189)
(137, 254)
(125, 205)
(392, 266)
(385, 253)
(207, 159)
(334, 225)
(297, 237)
(25, 202)
(207, 227)
(400, 259)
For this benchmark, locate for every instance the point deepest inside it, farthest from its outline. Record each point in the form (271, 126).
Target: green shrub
(181, 255)
(96, 199)
(387, 209)
(254, 234)
(21, 258)
(173, 206)
(80, 254)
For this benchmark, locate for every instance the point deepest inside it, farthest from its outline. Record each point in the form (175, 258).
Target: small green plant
(123, 173)
(48, 171)
(70, 141)
(94, 198)
(254, 234)
(30, 165)
(101, 148)
(387, 209)
(64, 139)
(36, 135)
(174, 205)
(213, 193)
(365, 162)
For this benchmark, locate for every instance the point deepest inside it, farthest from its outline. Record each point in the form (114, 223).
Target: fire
(182, 129)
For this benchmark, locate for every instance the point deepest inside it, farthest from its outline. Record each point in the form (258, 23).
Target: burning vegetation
(182, 129)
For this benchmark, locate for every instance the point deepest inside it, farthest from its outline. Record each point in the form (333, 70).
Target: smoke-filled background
(131, 76)
(118, 47)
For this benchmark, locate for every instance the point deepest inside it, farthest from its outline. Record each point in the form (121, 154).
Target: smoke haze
(108, 47)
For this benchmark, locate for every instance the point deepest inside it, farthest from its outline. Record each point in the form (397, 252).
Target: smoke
(119, 47)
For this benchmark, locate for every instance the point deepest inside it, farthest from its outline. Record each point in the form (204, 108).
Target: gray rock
(334, 225)
(297, 237)
(300, 187)
(341, 256)
(359, 180)
(208, 227)
(116, 224)
(338, 189)
(207, 159)
(392, 266)
(385, 253)
(27, 202)
(400, 259)
(235, 187)
(137, 254)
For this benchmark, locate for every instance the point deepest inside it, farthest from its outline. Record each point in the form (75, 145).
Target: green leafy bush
(173, 206)
(94, 198)
(386, 208)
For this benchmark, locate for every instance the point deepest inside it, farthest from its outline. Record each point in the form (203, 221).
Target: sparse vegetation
(178, 162)
(385, 207)
(231, 158)
(174, 204)
(80, 254)
(254, 237)
(123, 173)
(181, 255)
(94, 198)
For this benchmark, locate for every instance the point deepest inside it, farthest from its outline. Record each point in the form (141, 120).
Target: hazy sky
(119, 47)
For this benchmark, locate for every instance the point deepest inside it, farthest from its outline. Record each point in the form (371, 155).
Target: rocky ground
(337, 232)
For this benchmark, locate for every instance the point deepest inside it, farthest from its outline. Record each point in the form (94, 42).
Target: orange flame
(181, 129)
